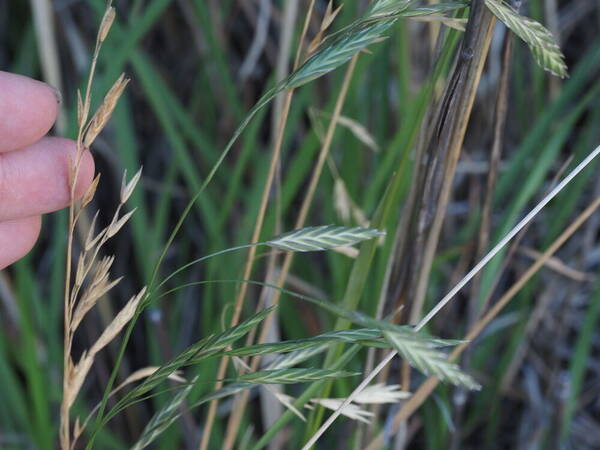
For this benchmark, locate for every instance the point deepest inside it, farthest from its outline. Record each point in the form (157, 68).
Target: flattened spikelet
(543, 47)
(322, 238)
(77, 377)
(117, 324)
(420, 353)
(107, 21)
(90, 191)
(105, 110)
(128, 188)
(115, 226)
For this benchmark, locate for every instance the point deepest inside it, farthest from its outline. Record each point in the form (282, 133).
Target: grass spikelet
(337, 53)
(117, 324)
(79, 372)
(324, 237)
(296, 357)
(91, 240)
(102, 115)
(385, 9)
(164, 418)
(328, 19)
(90, 192)
(76, 376)
(145, 372)
(127, 188)
(543, 47)
(91, 297)
(420, 354)
(107, 21)
(118, 223)
(380, 393)
(352, 411)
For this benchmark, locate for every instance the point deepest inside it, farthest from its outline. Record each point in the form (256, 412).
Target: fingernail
(57, 94)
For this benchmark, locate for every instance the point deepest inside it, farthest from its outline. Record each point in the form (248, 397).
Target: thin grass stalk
(501, 109)
(430, 384)
(256, 233)
(498, 143)
(301, 219)
(270, 407)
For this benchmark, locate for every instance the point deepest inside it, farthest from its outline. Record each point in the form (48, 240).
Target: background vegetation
(197, 67)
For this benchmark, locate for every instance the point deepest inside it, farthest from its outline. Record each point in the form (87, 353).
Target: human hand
(34, 170)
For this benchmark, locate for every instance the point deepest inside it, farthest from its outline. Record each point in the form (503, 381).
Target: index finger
(28, 109)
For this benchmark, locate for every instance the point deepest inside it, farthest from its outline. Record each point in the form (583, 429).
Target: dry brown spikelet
(128, 188)
(328, 19)
(117, 324)
(107, 21)
(90, 192)
(115, 226)
(103, 113)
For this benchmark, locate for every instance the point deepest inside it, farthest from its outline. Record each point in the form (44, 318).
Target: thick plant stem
(453, 126)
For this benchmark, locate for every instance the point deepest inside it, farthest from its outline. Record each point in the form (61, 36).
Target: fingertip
(28, 110)
(37, 179)
(17, 238)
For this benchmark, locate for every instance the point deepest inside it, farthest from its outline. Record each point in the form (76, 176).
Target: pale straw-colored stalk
(239, 301)
(301, 219)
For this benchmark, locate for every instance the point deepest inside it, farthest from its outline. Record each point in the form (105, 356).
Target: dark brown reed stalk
(436, 159)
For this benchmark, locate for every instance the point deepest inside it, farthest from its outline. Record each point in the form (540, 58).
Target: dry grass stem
(252, 251)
